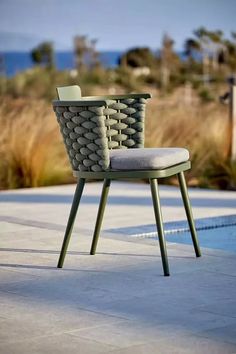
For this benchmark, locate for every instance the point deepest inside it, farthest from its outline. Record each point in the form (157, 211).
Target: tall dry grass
(201, 128)
(32, 152)
(31, 149)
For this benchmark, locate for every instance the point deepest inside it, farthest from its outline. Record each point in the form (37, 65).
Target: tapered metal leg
(70, 223)
(188, 209)
(103, 200)
(159, 223)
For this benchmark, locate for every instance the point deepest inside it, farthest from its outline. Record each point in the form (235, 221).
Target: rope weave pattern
(89, 132)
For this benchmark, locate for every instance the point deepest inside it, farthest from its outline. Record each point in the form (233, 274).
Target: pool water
(214, 232)
(223, 238)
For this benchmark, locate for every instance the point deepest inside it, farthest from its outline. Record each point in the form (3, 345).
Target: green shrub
(205, 95)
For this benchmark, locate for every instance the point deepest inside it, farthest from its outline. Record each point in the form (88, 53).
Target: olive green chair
(104, 138)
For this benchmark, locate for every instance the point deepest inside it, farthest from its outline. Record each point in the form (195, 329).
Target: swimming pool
(214, 232)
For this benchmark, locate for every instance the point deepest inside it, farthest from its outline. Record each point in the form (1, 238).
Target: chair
(104, 138)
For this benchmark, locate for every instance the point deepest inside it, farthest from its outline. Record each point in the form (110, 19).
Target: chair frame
(153, 176)
(108, 175)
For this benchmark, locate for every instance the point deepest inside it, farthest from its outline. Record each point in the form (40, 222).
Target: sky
(117, 24)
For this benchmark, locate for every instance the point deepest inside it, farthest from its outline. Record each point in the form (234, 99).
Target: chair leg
(70, 223)
(188, 210)
(159, 223)
(102, 204)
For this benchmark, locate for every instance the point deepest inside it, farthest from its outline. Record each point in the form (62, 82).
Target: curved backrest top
(73, 93)
(69, 93)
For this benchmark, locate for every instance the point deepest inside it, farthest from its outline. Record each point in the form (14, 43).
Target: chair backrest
(92, 125)
(69, 93)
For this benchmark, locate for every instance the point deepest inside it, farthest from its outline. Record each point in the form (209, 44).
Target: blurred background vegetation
(189, 107)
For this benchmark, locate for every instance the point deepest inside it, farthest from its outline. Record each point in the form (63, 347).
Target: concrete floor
(117, 301)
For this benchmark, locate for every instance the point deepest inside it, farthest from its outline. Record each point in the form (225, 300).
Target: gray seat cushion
(147, 158)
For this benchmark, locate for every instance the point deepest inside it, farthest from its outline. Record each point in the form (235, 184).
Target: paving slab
(61, 343)
(117, 301)
(181, 344)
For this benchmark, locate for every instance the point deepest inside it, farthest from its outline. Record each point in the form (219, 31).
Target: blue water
(217, 232)
(14, 62)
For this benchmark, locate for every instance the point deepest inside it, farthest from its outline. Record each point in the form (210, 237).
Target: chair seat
(147, 158)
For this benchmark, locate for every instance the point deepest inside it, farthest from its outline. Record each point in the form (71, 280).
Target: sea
(12, 63)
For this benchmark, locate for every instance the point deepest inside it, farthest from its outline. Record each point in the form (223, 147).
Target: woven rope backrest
(84, 135)
(125, 123)
(90, 131)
